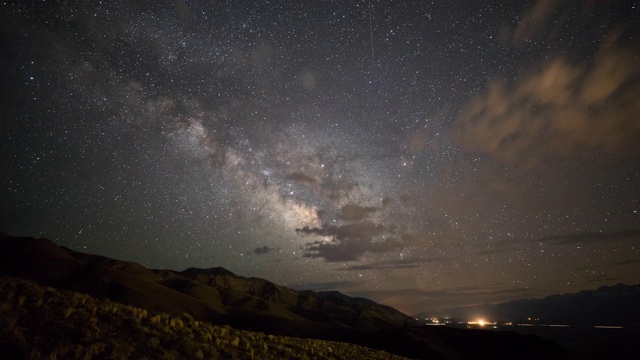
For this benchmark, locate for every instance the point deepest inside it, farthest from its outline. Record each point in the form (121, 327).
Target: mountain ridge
(105, 277)
(606, 305)
(219, 297)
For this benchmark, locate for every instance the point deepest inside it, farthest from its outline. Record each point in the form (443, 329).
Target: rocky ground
(39, 322)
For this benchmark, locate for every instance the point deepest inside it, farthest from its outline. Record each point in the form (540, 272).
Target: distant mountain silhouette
(218, 296)
(608, 305)
(90, 328)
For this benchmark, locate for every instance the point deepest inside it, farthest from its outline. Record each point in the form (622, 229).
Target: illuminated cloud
(351, 241)
(533, 20)
(564, 110)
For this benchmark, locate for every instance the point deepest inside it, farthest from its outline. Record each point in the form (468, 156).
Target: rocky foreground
(38, 322)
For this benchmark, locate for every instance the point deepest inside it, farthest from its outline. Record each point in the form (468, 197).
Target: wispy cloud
(626, 262)
(262, 250)
(591, 237)
(566, 109)
(534, 19)
(387, 265)
(492, 251)
(602, 278)
(326, 286)
(300, 177)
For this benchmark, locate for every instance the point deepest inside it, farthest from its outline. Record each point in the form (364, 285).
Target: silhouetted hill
(607, 305)
(213, 294)
(326, 307)
(88, 328)
(193, 272)
(217, 296)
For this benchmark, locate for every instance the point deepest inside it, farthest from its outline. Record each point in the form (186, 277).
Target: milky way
(422, 155)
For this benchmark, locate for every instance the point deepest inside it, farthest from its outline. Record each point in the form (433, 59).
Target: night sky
(424, 154)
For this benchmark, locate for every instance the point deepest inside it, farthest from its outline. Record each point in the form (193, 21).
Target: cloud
(407, 200)
(261, 54)
(262, 250)
(412, 301)
(602, 278)
(362, 230)
(565, 110)
(491, 252)
(591, 237)
(300, 177)
(380, 267)
(352, 212)
(416, 238)
(326, 286)
(394, 264)
(307, 79)
(534, 19)
(336, 188)
(351, 241)
(626, 262)
(417, 142)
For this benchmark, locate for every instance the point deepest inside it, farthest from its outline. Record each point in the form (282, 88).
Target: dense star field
(421, 154)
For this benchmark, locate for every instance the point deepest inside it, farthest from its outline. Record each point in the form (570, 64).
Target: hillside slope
(88, 328)
(218, 297)
(207, 294)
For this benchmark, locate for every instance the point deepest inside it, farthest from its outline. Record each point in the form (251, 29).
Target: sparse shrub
(60, 351)
(176, 323)
(120, 350)
(10, 293)
(154, 343)
(68, 311)
(4, 307)
(34, 354)
(199, 354)
(21, 300)
(78, 299)
(155, 320)
(94, 349)
(206, 336)
(142, 313)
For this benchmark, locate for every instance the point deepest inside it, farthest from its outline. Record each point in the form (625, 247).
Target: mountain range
(615, 305)
(219, 297)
